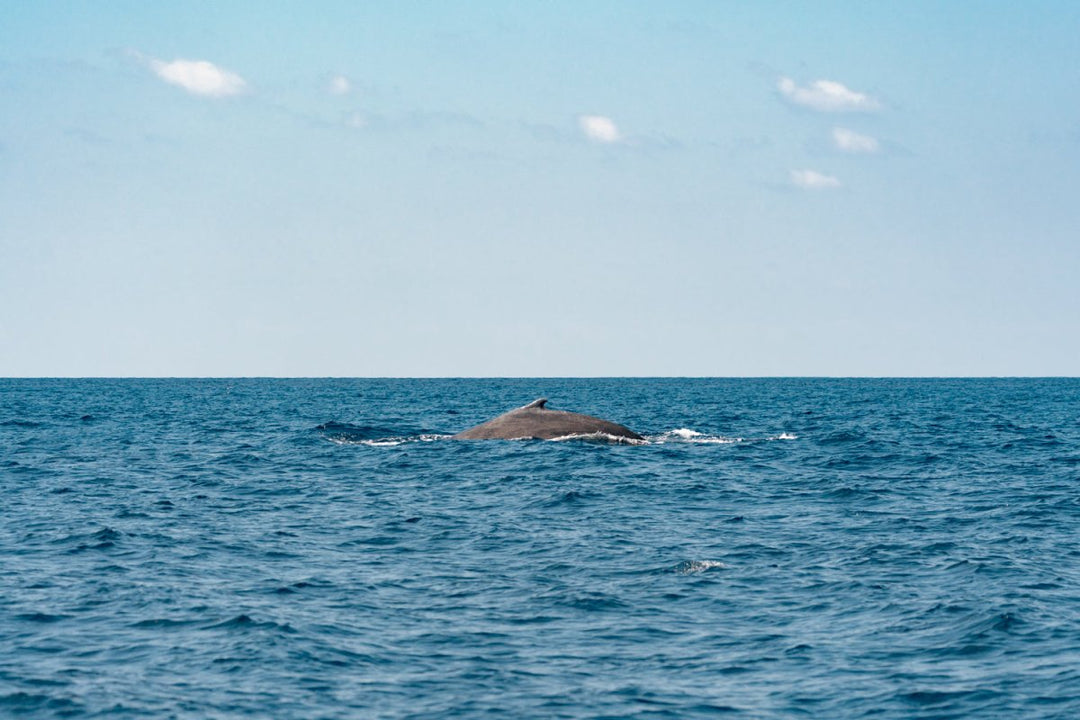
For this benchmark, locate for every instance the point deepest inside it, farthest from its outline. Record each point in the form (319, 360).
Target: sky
(539, 188)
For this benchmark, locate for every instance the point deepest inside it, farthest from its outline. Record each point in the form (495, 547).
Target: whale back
(535, 420)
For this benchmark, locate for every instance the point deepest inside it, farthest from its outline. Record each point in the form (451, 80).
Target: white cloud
(199, 77)
(599, 128)
(826, 96)
(812, 180)
(852, 142)
(340, 85)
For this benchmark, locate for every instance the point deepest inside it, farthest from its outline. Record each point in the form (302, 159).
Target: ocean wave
(245, 622)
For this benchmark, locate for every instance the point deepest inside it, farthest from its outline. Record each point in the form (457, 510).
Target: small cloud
(339, 85)
(852, 142)
(812, 180)
(826, 96)
(198, 77)
(599, 128)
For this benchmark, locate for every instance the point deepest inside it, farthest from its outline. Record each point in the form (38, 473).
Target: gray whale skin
(536, 421)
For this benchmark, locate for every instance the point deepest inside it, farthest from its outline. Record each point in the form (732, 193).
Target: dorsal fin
(538, 403)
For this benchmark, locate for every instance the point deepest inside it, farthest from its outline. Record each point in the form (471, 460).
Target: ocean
(319, 548)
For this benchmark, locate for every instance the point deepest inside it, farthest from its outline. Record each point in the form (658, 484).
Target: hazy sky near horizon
(539, 189)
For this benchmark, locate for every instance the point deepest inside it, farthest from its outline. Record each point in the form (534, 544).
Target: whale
(535, 421)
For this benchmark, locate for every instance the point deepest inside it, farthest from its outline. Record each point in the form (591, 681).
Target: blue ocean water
(319, 549)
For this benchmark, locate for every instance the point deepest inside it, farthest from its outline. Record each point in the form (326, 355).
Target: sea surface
(778, 548)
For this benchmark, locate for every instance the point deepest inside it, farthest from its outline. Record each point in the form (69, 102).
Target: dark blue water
(319, 549)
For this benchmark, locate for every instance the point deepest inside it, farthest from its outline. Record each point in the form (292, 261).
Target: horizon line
(539, 377)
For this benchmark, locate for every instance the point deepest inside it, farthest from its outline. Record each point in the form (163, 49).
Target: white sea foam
(693, 437)
(690, 567)
(680, 435)
(686, 435)
(600, 438)
(387, 441)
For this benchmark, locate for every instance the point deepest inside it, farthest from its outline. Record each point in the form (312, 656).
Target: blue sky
(520, 189)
